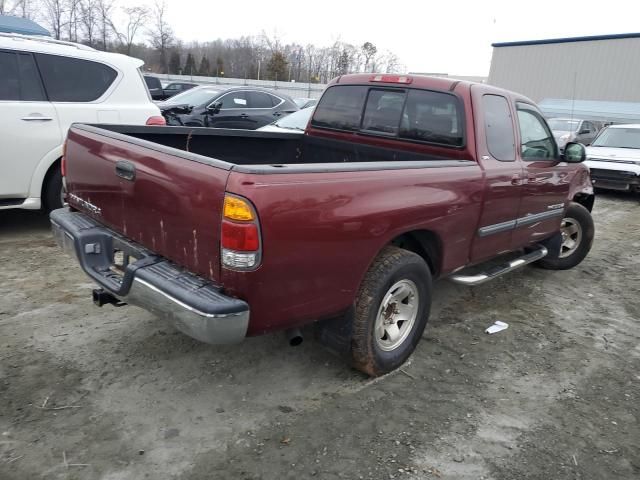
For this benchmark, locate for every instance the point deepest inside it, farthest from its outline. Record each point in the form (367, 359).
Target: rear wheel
(391, 312)
(53, 194)
(577, 231)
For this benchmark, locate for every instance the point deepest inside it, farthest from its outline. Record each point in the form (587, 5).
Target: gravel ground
(113, 393)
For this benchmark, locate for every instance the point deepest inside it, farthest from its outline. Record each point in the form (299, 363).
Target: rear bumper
(197, 307)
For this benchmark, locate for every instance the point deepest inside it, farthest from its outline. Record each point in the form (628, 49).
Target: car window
(9, 76)
(383, 111)
(73, 79)
(340, 108)
(172, 86)
(152, 82)
(499, 128)
(30, 84)
(589, 127)
(432, 117)
(259, 100)
(536, 139)
(234, 100)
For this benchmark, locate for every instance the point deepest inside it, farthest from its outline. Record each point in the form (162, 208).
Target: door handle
(531, 179)
(36, 118)
(126, 170)
(244, 115)
(516, 180)
(277, 114)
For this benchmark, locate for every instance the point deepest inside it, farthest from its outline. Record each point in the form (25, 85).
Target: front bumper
(196, 307)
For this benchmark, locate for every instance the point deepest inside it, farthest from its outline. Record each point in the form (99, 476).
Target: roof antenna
(573, 95)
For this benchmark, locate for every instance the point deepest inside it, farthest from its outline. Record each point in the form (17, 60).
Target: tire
(377, 347)
(52, 193)
(577, 237)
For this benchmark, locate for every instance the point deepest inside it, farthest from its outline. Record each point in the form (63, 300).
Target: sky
(428, 36)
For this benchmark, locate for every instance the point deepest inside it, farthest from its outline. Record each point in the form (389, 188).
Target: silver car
(567, 130)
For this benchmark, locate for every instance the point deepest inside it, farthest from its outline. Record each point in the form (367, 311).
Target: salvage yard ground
(113, 393)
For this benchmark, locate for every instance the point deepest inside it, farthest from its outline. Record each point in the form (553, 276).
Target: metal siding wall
(604, 70)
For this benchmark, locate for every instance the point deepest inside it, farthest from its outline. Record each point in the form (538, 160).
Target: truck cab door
(496, 149)
(546, 179)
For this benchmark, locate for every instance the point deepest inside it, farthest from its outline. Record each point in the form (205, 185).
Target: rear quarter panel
(321, 231)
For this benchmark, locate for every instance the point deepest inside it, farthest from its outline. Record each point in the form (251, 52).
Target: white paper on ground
(498, 326)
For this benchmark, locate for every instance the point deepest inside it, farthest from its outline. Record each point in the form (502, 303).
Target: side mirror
(574, 153)
(214, 108)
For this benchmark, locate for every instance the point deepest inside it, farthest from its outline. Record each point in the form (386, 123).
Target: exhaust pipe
(294, 336)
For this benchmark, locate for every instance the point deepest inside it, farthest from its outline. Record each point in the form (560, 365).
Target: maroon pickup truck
(396, 181)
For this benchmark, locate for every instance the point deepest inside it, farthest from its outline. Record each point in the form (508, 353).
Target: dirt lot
(88, 393)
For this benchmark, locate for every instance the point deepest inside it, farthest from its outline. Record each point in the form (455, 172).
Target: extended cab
(398, 180)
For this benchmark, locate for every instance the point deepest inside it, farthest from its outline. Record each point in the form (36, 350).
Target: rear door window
(432, 117)
(498, 127)
(259, 100)
(9, 76)
(73, 79)
(340, 108)
(383, 111)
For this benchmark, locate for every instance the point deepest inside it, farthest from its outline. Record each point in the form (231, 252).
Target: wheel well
(585, 199)
(55, 165)
(426, 244)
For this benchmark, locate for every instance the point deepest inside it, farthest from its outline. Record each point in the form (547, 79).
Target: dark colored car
(175, 88)
(397, 180)
(155, 87)
(226, 107)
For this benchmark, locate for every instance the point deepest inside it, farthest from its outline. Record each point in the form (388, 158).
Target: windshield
(618, 138)
(194, 97)
(564, 125)
(296, 121)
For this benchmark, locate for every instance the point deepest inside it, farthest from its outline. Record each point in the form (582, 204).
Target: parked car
(45, 86)
(566, 130)
(614, 158)
(295, 122)
(397, 180)
(155, 87)
(226, 107)
(305, 102)
(174, 88)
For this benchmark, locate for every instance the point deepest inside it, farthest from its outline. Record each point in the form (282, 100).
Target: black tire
(393, 265)
(52, 192)
(582, 217)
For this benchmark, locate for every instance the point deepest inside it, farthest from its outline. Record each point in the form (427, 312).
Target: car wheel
(391, 311)
(53, 194)
(577, 231)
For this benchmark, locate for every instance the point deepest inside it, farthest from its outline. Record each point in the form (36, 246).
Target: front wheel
(577, 232)
(391, 312)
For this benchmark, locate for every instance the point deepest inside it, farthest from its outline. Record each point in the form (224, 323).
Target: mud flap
(335, 333)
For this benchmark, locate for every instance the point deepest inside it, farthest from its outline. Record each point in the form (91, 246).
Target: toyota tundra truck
(397, 181)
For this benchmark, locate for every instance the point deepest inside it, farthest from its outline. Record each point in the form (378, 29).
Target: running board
(499, 270)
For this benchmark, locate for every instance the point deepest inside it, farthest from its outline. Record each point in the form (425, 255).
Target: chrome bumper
(193, 305)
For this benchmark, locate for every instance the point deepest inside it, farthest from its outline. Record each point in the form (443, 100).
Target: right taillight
(156, 120)
(240, 234)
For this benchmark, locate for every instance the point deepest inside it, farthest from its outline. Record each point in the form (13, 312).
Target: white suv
(45, 86)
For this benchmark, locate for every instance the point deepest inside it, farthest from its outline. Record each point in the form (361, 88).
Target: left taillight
(156, 120)
(241, 245)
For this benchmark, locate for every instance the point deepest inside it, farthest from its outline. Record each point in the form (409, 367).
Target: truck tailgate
(164, 199)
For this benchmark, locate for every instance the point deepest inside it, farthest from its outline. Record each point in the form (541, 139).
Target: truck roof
(420, 81)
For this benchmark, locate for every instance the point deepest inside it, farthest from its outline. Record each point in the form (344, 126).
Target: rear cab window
(69, 79)
(423, 116)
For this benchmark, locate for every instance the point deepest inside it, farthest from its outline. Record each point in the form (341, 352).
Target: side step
(499, 270)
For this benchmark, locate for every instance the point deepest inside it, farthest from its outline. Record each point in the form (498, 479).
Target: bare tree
(55, 11)
(369, 51)
(89, 20)
(105, 21)
(136, 17)
(161, 33)
(73, 8)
